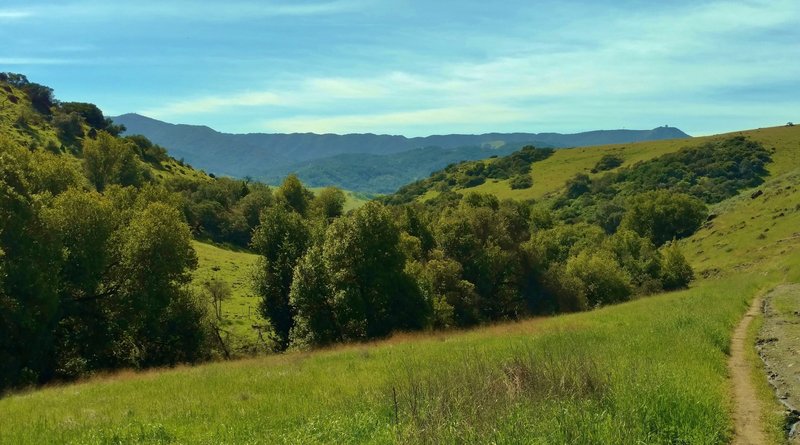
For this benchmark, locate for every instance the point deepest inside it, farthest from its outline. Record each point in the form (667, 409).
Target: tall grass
(650, 371)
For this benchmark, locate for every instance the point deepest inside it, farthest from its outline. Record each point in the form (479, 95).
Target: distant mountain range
(361, 162)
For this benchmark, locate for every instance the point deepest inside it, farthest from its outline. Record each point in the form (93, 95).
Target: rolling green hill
(386, 173)
(652, 370)
(550, 175)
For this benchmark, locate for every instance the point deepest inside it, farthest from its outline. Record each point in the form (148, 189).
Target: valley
(498, 354)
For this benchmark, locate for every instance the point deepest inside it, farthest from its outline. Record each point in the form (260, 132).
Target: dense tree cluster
(95, 253)
(666, 197)
(94, 267)
(221, 209)
(464, 260)
(381, 269)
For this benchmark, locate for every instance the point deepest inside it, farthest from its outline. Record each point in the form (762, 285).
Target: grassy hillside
(240, 313)
(550, 175)
(649, 371)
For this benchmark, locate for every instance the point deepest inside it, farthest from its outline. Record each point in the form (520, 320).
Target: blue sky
(417, 67)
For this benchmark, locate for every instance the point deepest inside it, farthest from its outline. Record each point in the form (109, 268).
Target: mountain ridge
(274, 155)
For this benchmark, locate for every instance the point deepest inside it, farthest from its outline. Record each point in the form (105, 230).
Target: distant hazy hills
(361, 162)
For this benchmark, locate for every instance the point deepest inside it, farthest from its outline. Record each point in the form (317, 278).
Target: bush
(520, 182)
(603, 280)
(607, 162)
(663, 215)
(578, 185)
(676, 273)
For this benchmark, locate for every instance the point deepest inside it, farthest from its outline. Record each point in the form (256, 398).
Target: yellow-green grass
(655, 370)
(649, 371)
(550, 175)
(38, 132)
(240, 312)
(747, 231)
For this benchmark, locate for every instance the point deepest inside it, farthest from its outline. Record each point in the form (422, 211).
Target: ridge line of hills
(326, 159)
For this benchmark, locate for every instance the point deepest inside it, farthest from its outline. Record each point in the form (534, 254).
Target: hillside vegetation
(96, 245)
(117, 284)
(650, 371)
(385, 173)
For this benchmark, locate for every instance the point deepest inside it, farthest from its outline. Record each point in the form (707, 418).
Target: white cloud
(215, 103)
(7, 15)
(183, 9)
(35, 61)
(436, 117)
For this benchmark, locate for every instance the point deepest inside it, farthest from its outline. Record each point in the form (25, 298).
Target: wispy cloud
(182, 9)
(21, 61)
(7, 15)
(215, 103)
(448, 117)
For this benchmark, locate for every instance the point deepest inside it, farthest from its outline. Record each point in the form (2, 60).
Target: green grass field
(649, 371)
(240, 312)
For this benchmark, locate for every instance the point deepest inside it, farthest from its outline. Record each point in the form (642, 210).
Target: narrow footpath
(747, 410)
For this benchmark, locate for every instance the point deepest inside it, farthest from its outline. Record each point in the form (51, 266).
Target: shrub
(522, 181)
(607, 162)
(676, 273)
(663, 216)
(603, 280)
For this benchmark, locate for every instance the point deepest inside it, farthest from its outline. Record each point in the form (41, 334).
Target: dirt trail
(747, 410)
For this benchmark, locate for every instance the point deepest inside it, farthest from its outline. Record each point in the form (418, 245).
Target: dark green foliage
(281, 239)
(485, 237)
(315, 322)
(453, 299)
(707, 173)
(523, 181)
(638, 257)
(578, 185)
(662, 216)
(68, 127)
(517, 163)
(222, 209)
(41, 97)
(711, 172)
(109, 160)
(371, 293)
(293, 194)
(413, 222)
(608, 162)
(148, 151)
(89, 281)
(602, 280)
(29, 271)
(329, 203)
(352, 285)
(676, 273)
